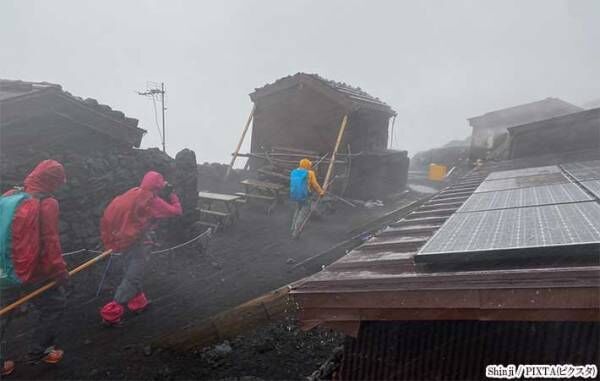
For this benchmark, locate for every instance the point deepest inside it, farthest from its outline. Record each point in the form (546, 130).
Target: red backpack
(125, 219)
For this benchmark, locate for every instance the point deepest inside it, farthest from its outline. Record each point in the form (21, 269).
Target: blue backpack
(8, 207)
(299, 184)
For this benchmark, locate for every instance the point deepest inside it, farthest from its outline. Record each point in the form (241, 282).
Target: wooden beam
(272, 306)
(237, 149)
(335, 150)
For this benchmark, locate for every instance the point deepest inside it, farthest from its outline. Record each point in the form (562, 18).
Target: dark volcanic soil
(250, 258)
(279, 351)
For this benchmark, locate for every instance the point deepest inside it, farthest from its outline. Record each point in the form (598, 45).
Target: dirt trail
(253, 257)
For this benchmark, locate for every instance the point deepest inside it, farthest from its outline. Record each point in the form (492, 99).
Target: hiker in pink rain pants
(126, 227)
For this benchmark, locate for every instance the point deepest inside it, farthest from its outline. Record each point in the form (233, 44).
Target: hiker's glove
(166, 192)
(173, 199)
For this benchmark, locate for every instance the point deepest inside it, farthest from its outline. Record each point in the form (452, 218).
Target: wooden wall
(298, 117)
(368, 131)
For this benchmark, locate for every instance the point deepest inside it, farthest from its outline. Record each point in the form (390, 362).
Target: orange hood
(305, 164)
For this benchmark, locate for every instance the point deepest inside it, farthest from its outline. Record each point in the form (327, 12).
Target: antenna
(151, 92)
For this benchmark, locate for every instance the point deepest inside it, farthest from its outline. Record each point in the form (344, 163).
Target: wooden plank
(261, 184)
(272, 306)
(551, 298)
(217, 196)
(214, 213)
(255, 196)
(273, 174)
(296, 150)
(313, 317)
(385, 279)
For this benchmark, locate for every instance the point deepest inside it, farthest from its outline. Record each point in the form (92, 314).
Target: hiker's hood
(47, 177)
(153, 181)
(306, 164)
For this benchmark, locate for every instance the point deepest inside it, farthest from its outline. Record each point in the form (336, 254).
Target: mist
(436, 62)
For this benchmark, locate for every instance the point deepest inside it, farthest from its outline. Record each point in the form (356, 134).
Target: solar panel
(593, 186)
(545, 226)
(523, 172)
(521, 182)
(583, 170)
(534, 196)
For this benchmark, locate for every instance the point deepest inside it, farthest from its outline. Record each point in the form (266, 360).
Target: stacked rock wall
(93, 180)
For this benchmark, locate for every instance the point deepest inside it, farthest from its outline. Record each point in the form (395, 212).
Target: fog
(435, 62)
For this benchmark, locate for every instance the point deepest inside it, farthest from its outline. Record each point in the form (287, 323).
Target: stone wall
(94, 179)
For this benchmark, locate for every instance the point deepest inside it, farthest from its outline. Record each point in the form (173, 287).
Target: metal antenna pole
(151, 93)
(162, 98)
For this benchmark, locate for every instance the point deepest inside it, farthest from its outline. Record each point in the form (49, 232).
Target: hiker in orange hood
(38, 260)
(303, 182)
(126, 227)
(312, 178)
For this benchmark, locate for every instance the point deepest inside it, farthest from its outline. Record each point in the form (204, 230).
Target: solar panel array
(593, 186)
(583, 170)
(522, 209)
(539, 226)
(524, 172)
(533, 196)
(521, 182)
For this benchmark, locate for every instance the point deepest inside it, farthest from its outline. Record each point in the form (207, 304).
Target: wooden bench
(255, 196)
(219, 218)
(262, 190)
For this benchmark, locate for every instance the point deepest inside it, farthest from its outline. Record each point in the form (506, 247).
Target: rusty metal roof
(381, 281)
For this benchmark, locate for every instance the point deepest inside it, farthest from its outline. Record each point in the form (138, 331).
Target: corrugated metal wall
(460, 350)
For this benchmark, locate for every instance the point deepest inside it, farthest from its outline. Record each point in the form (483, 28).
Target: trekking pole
(320, 160)
(104, 275)
(341, 199)
(313, 208)
(48, 286)
(327, 182)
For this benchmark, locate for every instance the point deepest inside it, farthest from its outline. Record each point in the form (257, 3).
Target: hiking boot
(144, 309)
(7, 368)
(53, 355)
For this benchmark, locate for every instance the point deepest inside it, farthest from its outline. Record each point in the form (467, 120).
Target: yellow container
(437, 172)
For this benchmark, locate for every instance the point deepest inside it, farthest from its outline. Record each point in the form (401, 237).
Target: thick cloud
(436, 62)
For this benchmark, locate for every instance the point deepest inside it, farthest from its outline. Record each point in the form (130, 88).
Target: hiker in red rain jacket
(127, 227)
(38, 262)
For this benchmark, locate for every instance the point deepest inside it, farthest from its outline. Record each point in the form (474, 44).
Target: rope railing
(207, 233)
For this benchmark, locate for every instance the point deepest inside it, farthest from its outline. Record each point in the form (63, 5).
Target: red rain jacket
(36, 260)
(130, 214)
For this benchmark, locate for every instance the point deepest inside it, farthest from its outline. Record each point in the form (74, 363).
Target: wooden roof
(21, 101)
(381, 281)
(348, 96)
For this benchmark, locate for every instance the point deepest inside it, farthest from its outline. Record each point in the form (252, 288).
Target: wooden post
(48, 286)
(335, 150)
(237, 149)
